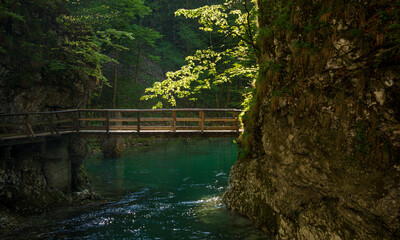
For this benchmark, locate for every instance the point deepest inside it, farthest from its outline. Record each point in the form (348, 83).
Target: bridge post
(138, 122)
(78, 116)
(51, 124)
(29, 131)
(174, 121)
(108, 122)
(235, 115)
(201, 115)
(27, 125)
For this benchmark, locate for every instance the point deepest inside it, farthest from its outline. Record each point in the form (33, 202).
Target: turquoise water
(170, 190)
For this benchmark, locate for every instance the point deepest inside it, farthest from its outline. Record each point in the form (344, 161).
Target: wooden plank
(123, 119)
(156, 128)
(133, 127)
(220, 120)
(165, 110)
(55, 122)
(148, 119)
(93, 119)
(188, 119)
(92, 128)
(38, 113)
(220, 128)
(127, 110)
(188, 128)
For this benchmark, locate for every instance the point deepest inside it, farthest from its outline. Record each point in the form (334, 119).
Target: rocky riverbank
(32, 183)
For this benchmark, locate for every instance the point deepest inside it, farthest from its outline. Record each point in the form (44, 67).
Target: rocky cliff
(320, 156)
(38, 72)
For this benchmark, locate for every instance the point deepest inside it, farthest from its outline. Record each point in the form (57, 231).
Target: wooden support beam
(138, 122)
(51, 125)
(78, 123)
(26, 125)
(202, 121)
(236, 116)
(29, 131)
(174, 121)
(108, 122)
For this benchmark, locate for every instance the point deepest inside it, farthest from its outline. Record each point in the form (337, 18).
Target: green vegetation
(225, 69)
(176, 51)
(202, 54)
(41, 38)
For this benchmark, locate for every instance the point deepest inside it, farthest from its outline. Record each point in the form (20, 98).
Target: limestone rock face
(320, 157)
(34, 177)
(33, 181)
(44, 96)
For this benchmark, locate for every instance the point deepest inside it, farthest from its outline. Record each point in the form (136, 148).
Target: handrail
(164, 110)
(126, 110)
(38, 113)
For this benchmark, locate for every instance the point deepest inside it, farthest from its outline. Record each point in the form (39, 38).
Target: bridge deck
(143, 133)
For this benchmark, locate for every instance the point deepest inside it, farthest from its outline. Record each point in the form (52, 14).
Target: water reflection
(171, 190)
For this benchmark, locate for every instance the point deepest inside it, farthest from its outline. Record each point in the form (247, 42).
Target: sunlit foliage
(231, 59)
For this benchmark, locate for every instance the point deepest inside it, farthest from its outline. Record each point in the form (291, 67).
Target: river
(169, 190)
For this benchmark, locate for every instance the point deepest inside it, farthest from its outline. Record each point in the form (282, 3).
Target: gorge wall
(40, 71)
(320, 156)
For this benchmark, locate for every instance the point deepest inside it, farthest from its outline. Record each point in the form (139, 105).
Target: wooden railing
(23, 125)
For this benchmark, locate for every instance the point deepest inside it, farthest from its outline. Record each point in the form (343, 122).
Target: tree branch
(247, 41)
(225, 37)
(248, 22)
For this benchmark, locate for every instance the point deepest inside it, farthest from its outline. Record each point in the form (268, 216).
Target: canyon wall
(320, 156)
(40, 71)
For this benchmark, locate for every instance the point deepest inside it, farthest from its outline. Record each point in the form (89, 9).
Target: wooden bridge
(95, 123)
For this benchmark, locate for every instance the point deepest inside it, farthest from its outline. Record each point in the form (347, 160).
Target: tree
(231, 59)
(48, 42)
(118, 28)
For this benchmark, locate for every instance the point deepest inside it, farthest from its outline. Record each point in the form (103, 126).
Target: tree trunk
(228, 98)
(115, 76)
(138, 61)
